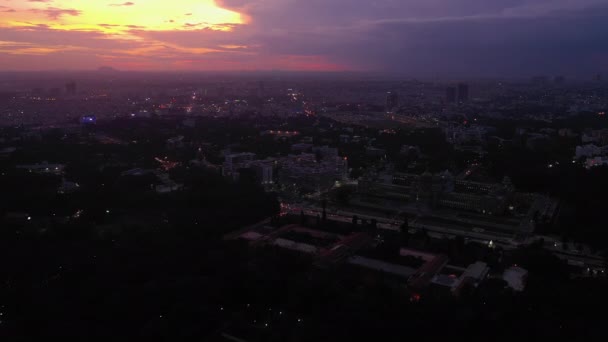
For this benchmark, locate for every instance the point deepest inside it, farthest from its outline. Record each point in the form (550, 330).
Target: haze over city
(438, 38)
(303, 170)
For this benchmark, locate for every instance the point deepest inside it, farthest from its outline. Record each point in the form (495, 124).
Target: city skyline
(419, 38)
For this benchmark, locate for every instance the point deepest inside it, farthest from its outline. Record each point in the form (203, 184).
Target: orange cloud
(136, 35)
(149, 14)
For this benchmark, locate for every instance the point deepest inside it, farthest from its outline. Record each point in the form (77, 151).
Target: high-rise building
(70, 88)
(540, 79)
(450, 94)
(463, 92)
(392, 101)
(54, 92)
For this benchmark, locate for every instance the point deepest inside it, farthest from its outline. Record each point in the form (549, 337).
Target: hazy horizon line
(387, 74)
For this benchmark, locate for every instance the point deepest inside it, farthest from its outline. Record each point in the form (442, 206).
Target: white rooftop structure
(251, 236)
(378, 265)
(296, 246)
(515, 277)
(476, 271)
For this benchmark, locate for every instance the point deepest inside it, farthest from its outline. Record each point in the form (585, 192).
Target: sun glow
(119, 16)
(136, 35)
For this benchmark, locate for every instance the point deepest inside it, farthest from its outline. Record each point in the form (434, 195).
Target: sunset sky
(421, 37)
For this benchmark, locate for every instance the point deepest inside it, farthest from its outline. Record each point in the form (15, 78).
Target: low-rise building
(516, 278)
(596, 161)
(306, 173)
(234, 164)
(589, 150)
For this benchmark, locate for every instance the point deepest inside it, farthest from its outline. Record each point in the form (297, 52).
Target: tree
(318, 155)
(405, 225)
(404, 231)
(374, 224)
(427, 238)
(324, 203)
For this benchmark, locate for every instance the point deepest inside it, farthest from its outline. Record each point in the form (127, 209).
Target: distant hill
(107, 69)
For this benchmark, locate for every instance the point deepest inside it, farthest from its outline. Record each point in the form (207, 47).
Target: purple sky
(452, 38)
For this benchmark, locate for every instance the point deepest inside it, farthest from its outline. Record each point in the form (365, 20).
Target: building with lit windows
(392, 101)
(450, 95)
(463, 92)
(307, 173)
(441, 202)
(441, 190)
(234, 164)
